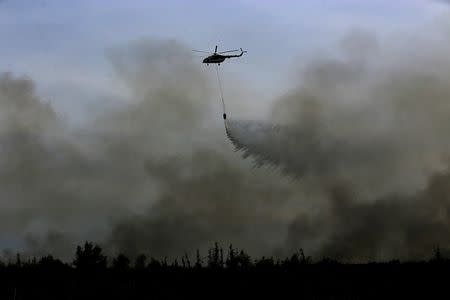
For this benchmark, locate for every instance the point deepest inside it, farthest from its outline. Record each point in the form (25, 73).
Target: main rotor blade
(229, 51)
(202, 51)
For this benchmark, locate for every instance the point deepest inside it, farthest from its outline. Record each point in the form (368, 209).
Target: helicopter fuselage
(219, 58)
(214, 59)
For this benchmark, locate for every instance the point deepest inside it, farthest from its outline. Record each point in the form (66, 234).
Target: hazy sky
(62, 44)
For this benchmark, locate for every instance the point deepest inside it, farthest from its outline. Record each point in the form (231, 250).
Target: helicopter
(217, 57)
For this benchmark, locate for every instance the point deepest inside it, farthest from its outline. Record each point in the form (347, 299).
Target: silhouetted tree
(198, 260)
(296, 260)
(231, 261)
(210, 258)
(243, 260)
(175, 263)
(437, 254)
(154, 264)
(265, 263)
(50, 262)
(215, 257)
(18, 260)
(140, 261)
(121, 263)
(221, 262)
(186, 263)
(89, 257)
(303, 258)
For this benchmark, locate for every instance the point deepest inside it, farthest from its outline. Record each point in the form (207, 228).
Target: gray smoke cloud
(363, 118)
(203, 192)
(369, 129)
(156, 175)
(390, 227)
(363, 135)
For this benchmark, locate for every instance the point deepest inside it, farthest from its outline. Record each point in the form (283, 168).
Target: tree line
(218, 274)
(90, 257)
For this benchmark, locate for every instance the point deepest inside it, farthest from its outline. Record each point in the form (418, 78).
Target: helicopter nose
(205, 60)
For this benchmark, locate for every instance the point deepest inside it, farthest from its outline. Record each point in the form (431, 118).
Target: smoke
(391, 227)
(365, 119)
(369, 129)
(33, 154)
(156, 175)
(363, 135)
(203, 192)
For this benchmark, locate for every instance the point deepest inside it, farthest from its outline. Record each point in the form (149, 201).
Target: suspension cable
(221, 93)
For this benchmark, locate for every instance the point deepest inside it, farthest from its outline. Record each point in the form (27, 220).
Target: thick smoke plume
(364, 135)
(365, 118)
(369, 129)
(156, 175)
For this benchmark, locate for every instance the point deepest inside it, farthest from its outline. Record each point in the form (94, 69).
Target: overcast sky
(62, 44)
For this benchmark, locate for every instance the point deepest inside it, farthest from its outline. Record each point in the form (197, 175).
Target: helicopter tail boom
(237, 55)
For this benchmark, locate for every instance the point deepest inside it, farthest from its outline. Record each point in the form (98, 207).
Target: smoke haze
(362, 139)
(369, 129)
